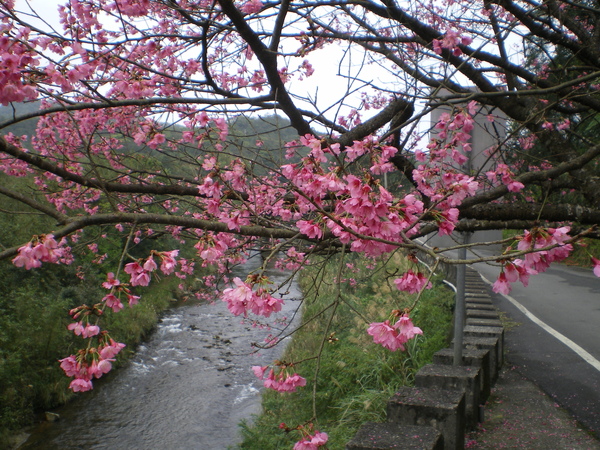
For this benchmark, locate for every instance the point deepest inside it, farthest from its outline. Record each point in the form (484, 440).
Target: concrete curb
(446, 398)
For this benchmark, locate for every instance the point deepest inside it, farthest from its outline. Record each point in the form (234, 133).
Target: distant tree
(131, 70)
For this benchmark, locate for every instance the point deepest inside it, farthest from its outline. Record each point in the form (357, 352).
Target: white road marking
(587, 357)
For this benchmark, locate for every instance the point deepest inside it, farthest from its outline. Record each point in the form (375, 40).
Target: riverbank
(50, 391)
(188, 385)
(354, 376)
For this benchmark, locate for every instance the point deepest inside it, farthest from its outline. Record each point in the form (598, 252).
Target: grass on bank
(356, 377)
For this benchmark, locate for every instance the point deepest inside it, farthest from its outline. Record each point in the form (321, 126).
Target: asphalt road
(556, 341)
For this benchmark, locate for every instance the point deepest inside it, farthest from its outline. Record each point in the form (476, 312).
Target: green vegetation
(34, 316)
(581, 253)
(34, 304)
(34, 336)
(356, 377)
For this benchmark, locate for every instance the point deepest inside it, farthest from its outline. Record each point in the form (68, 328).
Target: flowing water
(187, 387)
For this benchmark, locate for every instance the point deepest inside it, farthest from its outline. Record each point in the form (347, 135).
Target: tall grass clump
(354, 376)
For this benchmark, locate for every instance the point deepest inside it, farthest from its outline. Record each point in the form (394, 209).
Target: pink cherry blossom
(312, 442)
(110, 350)
(270, 382)
(132, 299)
(310, 229)
(70, 366)
(133, 267)
(80, 385)
(406, 329)
(26, 258)
(596, 263)
(113, 302)
(104, 366)
(238, 298)
(168, 261)
(264, 304)
(139, 276)
(243, 299)
(84, 331)
(502, 285)
(111, 281)
(280, 381)
(259, 371)
(412, 283)
(43, 248)
(515, 186)
(90, 330)
(383, 333)
(290, 383)
(393, 337)
(511, 272)
(76, 327)
(150, 265)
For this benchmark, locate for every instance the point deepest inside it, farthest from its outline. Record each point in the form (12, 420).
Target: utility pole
(459, 307)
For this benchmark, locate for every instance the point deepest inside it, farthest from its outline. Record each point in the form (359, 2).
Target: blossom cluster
(281, 381)
(393, 337)
(242, 298)
(412, 282)
(596, 264)
(506, 176)
(113, 299)
(451, 41)
(90, 363)
(312, 441)
(545, 246)
(17, 59)
(41, 249)
(140, 271)
(367, 217)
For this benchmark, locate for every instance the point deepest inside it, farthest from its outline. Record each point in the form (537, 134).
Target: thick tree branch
(533, 177)
(60, 218)
(43, 164)
(79, 223)
(268, 59)
(532, 213)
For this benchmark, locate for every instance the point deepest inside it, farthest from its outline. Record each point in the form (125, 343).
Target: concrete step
(385, 436)
(475, 284)
(476, 290)
(440, 408)
(477, 297)
(480, 306)
(475, 313)
(477, 322)
(487, 343)
(488, 332)
(473, 357)
(461, 378)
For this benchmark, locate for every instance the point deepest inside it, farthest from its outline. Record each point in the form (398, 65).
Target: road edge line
(585, 355)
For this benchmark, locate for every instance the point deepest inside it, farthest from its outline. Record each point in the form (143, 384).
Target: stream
(187, 387)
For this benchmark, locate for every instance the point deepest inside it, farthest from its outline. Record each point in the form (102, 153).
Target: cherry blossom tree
(136, 99)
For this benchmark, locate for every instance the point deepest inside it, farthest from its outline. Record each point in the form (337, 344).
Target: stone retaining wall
(447, 400)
